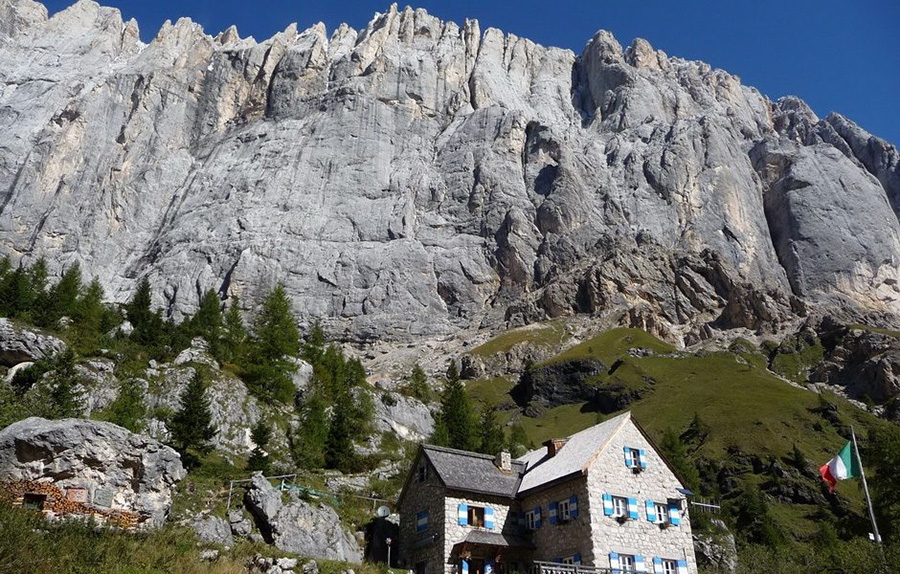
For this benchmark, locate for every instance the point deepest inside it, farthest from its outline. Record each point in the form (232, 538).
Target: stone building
(602, 499)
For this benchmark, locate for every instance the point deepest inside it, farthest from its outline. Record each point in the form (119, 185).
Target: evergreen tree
(275, 340)
(259, 458)
(676, 453)
(314, 345)
(191, 428)
(16, 295)
(61, 299)
(492, 438)
(418, 384)
(519, 443)
(339, 453)
(65, 395)
(128, 409)
(88, 318)
(457, 413)
(207, 321)
(308, 442)
(234, 334)
(439, 436)
(149, 327)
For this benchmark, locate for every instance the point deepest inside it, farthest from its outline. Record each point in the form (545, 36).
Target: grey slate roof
(572, 458)
(496, 539)
(473, 472)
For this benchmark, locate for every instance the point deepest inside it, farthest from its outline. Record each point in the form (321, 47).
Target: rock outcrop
(116, 468)
(298, 526)
(418, 177)
(20, 344)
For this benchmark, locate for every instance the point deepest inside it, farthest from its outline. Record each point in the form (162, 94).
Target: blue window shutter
(537, 517)
(607, 504)
(657, 565)
(489, 518)
(573, 506)
(422, 521)
(651, 511)
(674, 514)
(552, 513)
(614, 562)
(633, 508)
(627, 458)
(577, 558)
(463, 514)
(488, 567)
(639, 564)
(642, 458)
(465, 566)
(682, 566)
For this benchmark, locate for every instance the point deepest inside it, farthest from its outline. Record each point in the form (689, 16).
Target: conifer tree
(88, 318)
(207, 321)
(418, 384)
(16, 295)
(61, 299)
(191, 427)
(457, 414)
(492, 438)
(275, 340)
(234, 334)
(308, 442)
(339, 453)
(128, 409)
(314, 346)
(676, 453)
(65, 396)
(149, 327)
(259, 458)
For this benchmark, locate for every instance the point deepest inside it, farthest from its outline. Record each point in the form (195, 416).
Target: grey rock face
(406, 417)
(137, 471)
(717, 548)
(214, 530)
(298, 526)
(25, 344)
(417, 177)
(865, 364)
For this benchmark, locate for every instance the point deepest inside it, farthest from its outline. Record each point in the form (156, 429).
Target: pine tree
(128, 409)
(149, 327)
(418, 384)
(65, 395)
(676, 453)
(16, 295)
(519, 443)
(88, 318)
(234, 334)
(275, 340)
(191, 428)
(259, 458)
(339, 453)
(207, 321)
(62, 298)
(314, 345)
(457, 413)
(308, 442)
(492, 438)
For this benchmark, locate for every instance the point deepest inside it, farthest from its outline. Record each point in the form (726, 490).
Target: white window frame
(569, 560)
(634, 457)
(669, 566)
(563, 514)
(627, 563)
(620, 507)
(531, 520)
(662, 513)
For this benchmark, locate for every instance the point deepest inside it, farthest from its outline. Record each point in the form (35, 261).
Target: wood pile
(57, 503)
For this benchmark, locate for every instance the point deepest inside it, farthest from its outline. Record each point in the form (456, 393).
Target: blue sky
(838, 56)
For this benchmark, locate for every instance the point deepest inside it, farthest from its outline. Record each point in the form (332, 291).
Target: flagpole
(862, 474)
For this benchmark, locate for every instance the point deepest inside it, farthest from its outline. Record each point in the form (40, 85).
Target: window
(476, 516)
(620, 507)
(531, 520)
(562, 510)
(422, 473)
(422, 567)
(670, 566)
(422, 521)
(662, 514)
(626, 563)
(634, 459)
(571, 560)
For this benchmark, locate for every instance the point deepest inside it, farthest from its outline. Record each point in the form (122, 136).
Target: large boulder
(298, 526)
(117, 468)
(405, 416)
(19, 344)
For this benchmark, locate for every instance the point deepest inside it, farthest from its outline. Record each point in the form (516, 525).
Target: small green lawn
(550, 334)
(609, 346)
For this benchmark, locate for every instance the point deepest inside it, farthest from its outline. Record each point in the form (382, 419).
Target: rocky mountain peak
(419, 177)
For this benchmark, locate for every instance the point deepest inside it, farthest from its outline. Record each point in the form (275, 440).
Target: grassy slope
(744, 404)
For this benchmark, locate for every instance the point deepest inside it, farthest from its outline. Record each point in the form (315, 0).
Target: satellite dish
(383, 512)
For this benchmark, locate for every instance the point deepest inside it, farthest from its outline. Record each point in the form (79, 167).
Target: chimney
(503, 460)
(554, 445)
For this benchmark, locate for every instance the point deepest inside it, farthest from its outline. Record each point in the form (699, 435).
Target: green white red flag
(841, 467)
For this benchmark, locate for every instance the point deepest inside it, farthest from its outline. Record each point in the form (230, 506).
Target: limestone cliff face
(418, 177)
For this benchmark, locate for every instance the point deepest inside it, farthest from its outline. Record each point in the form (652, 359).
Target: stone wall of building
(414, 547)
(608, 473)
(563, 539)
(506, 512)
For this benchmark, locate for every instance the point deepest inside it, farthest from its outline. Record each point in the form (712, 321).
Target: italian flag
(841, 467)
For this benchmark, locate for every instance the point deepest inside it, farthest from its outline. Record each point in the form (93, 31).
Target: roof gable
(473, 472)
(573, 458)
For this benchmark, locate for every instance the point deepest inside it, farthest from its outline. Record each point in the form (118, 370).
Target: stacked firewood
(57, 503)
